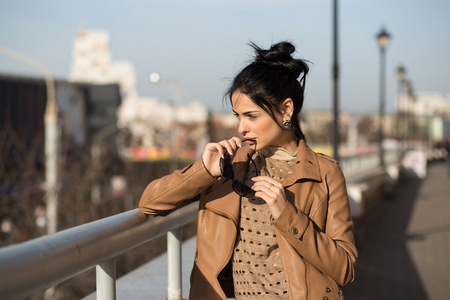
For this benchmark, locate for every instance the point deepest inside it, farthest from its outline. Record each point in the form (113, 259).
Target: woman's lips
(249, 141)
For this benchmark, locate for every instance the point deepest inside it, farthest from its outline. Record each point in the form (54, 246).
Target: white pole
(51, 138)
(51, 170)
(106, 280)
(174, 264)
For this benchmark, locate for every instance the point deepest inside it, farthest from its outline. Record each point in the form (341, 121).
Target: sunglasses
(226, 168)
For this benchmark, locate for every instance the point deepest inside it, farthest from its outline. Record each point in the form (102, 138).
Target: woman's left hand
(272, 192)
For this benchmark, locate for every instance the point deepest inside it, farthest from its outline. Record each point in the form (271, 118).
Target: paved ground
(404, 246)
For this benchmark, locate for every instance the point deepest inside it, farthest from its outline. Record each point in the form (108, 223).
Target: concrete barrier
(366, 190)
(415, 164)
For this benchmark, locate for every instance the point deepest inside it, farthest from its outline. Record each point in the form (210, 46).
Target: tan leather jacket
(314, 231)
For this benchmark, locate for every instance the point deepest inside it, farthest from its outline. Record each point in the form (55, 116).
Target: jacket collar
(306, 164)
(228, 204)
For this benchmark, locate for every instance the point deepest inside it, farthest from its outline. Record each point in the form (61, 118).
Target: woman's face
(259, 128)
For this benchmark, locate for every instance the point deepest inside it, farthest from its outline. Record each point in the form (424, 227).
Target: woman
(274, 218)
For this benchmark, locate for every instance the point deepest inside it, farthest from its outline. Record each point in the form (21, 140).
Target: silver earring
(287, 124)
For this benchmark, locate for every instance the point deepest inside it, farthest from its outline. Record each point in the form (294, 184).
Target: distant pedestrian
(274, 219)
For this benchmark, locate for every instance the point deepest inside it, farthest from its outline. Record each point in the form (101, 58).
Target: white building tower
(92, 62)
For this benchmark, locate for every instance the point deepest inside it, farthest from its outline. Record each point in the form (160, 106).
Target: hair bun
(280, 55)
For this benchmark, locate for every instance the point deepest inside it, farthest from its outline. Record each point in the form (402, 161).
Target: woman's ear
(287, 108)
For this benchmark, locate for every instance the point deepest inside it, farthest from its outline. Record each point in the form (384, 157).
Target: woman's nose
(242, 127)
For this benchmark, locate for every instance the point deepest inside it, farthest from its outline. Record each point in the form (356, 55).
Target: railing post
(174, 264)
(106, 280)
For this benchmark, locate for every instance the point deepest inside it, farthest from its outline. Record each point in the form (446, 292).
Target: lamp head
(401, 72)
(383, 39)
(155, 77)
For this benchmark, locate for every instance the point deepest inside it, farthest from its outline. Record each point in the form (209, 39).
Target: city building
(92, 62)
(424, 115)
(152, 130)
(83, 108)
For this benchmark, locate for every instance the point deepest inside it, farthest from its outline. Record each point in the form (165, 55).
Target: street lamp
(383, 41)
(51, 138)
(335, 83)
(157, 79)
(401, 73)
(179, 92)
(401, 107)
(411, 110)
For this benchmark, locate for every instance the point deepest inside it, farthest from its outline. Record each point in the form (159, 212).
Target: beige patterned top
(257, 264)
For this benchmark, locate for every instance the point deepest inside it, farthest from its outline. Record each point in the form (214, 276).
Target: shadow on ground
(385, 269)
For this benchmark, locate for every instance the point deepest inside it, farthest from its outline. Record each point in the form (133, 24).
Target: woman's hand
(214, 151)
(272, 192)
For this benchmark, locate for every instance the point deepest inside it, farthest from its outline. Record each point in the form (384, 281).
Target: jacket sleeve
(175, 190)
(332, 249)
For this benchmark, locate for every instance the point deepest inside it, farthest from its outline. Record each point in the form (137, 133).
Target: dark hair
(272, 78)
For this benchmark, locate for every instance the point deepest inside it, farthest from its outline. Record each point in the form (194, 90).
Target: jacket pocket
(320, 286)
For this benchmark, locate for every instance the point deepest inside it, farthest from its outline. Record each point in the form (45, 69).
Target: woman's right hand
(214, 151)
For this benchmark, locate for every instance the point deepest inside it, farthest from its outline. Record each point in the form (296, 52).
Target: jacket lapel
(306, 166)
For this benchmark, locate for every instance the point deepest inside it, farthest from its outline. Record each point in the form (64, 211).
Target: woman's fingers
(267, 182)
(230, 145)
(272, 192)
(214, 151)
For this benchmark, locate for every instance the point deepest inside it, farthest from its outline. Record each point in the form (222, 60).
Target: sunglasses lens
(227, 171)
(243, 190)
(226, 167)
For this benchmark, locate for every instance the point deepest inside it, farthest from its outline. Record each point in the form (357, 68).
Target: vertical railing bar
(106, 280)
(174, 264)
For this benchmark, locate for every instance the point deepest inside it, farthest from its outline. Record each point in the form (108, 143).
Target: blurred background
(118, 93)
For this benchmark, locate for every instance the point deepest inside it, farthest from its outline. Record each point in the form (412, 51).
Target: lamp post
(51, 138)
(178, 93)
(335, 83)
(401, 121)
(157, 79)
(383, 41)
(411, 99)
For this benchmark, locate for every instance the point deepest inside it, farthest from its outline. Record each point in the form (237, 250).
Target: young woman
(274, 219)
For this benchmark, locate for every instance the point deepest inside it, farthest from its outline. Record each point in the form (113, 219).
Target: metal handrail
(35, 265)
(354, 165)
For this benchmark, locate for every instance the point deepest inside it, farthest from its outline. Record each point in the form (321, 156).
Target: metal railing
(357, 164)
(36, 265)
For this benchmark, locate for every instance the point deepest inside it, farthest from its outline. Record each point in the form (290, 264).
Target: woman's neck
(290, 145)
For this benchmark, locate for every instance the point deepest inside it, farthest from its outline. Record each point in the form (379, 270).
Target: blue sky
(200, 45)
